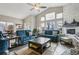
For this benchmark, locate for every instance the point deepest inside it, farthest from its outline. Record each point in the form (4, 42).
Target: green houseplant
(35, 31)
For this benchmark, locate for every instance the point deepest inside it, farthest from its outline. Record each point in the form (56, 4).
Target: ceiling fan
(36, 6)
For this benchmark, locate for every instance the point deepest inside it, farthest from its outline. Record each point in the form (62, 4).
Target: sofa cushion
(48, 32)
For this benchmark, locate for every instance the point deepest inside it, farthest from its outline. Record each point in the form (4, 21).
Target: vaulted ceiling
(22, 10)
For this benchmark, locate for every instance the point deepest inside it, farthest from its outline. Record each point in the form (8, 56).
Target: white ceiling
(22, 10)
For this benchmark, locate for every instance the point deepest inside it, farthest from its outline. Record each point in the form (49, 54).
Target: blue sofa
(3, 44)
(52, 34)
(24, 36)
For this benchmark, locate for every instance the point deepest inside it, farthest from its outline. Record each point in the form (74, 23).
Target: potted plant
(35, 32)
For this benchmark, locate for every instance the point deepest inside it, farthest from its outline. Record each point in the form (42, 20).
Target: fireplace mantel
(74, 23)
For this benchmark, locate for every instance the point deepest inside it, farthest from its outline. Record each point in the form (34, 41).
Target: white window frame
(43, 24)
(59, 15)
(50, 16)
(42, 18)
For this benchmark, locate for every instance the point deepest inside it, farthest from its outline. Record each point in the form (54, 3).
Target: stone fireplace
(71, 28)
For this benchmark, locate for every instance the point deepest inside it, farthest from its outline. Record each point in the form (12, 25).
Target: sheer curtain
(2, 27)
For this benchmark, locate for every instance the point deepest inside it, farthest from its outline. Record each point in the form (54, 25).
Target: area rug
(51, 50)
(33, 53)
(26, 52)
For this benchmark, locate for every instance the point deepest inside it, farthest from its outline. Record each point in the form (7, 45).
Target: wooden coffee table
(39, 44)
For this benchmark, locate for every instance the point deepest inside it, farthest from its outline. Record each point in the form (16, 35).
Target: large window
(52, 21)
(59, 23)
(2, 26)
(50, 16)
(42, 24)
(50, 25)
(42, 18)
(59, 15)
(2, 22)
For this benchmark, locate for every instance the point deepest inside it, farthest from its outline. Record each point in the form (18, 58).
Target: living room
(39, 29)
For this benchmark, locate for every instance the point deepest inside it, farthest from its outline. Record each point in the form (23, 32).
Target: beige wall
(10, 19)
(71, 11)
(49, 10)
(30, 20)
